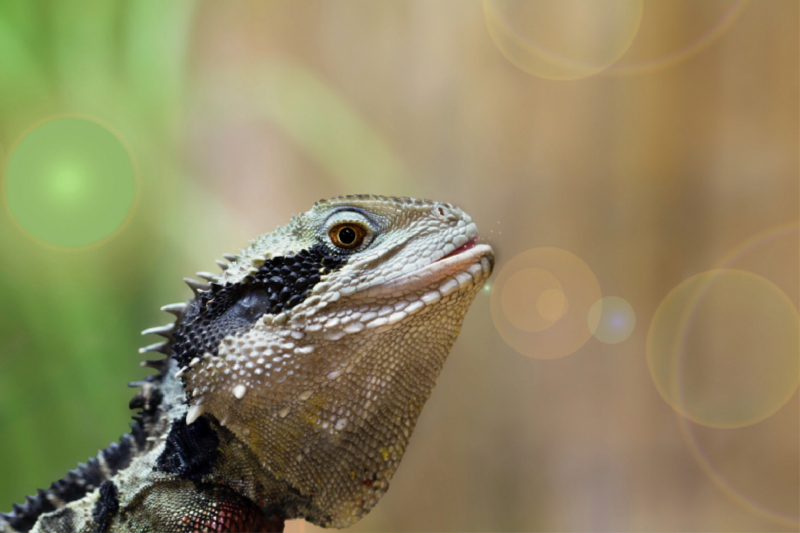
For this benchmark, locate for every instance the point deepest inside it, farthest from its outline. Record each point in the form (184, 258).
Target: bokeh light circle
(70, 183)
(540, 301)
(749, 479)
(563, 39)
(722, 348)
(750, 487)
(652, 50)
(533, 285)
(611, 319)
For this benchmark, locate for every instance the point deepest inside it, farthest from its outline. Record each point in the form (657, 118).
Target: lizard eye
(347, 236)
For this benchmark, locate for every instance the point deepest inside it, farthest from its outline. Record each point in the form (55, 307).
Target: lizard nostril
(441, 211)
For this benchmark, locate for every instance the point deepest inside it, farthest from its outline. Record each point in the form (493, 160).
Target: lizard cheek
(279, 284)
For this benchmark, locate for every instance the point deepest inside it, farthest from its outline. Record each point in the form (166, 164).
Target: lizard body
(293, 380)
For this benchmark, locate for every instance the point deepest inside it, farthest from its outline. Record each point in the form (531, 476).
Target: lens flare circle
(563, 39)
(552, 304)
(540, 301)
(650, 30)
(527, 286)
(722, 348)
(723, 483)
(611, 319)
(762, 254)
(70, 183)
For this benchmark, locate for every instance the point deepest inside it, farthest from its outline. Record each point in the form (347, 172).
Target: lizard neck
(164, 458)
(210, 455)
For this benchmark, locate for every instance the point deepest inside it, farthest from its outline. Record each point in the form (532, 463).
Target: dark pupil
(347, 235)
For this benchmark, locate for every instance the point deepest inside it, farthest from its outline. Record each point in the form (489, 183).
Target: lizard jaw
(475, 261)
(463, 248)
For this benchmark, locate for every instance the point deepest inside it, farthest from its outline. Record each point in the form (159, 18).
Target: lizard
(292, 381)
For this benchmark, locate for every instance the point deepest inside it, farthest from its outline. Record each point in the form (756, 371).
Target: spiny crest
(393, 200)
(78, 482)
(179, 309)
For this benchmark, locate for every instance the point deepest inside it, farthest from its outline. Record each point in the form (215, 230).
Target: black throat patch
(280, 284)
(190, 451)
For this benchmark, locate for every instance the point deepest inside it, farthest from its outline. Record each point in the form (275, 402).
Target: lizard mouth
(471, 260)
(463, 248)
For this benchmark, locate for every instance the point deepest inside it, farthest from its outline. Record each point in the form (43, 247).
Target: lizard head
(320, 343)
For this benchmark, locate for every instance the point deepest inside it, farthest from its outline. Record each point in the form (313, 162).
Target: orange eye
(347, 236)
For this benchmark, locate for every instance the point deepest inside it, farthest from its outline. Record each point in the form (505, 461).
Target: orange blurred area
(613, 158)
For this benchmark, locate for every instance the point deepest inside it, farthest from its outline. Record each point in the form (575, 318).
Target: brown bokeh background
(650, 172)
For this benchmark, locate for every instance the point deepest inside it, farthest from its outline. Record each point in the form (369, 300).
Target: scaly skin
(293, 381)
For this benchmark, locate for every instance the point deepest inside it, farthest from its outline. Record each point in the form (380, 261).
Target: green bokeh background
(238, 114)
(70, 183)
(73, 290)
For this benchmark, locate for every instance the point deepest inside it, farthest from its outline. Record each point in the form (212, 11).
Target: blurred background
(633, 363)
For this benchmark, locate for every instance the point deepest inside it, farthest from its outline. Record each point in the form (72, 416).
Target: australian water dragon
(292, 381)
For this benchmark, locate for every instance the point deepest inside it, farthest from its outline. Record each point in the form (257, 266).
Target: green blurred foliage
(67, 346)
